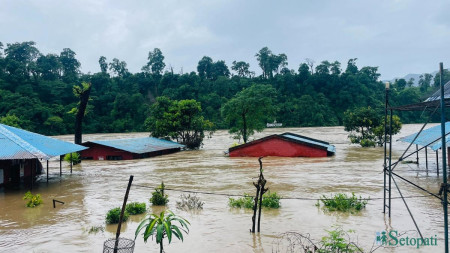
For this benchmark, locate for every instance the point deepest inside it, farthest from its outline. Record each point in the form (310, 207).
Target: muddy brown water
(96, 186)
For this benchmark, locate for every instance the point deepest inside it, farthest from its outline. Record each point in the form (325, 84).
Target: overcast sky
(399, 37)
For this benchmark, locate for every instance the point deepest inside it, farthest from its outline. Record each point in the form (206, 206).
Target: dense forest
(36, 90)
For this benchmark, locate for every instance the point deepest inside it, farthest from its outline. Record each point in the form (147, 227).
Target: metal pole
(426, 158)
(417, 154)
(385, 146)
(444, 158)
(47, 171)
(121, 213)
(437, 162)
(71, 163)
(390, 162)
(60, 165)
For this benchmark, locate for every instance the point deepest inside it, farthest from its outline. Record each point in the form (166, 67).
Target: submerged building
(126, 149)
(285, 145)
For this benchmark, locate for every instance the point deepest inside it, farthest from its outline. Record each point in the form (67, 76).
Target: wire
(287, 198)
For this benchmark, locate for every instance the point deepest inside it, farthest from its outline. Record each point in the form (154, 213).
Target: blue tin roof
(139, 145)
(328, 146)
(16, 143)
(429, 137)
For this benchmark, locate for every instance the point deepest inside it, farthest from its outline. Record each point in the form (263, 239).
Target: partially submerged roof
(293, 138)
(16, 143)
(430, 104)
(428, 137)
(139, 145)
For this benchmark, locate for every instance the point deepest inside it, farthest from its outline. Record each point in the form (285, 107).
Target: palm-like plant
(163, 227)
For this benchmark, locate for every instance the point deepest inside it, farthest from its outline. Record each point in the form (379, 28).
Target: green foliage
(366, 126)
(75, 158)
(249, 110)
(338, 241)
(96, 229)
(33, 200)
(11, 120)
(135, 208)
(162, 226)
(158, 197)
(270, 200)
(343, 202)
(113, 216)
(180, 120)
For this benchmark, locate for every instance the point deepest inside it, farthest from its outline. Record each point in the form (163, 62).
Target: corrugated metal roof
(437, 94)
(430, 136)
(330, 148)
(139, 145)
(16, 143)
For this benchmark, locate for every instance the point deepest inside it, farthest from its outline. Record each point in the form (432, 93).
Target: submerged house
(126, 149)
(21, 154)
(286, 145)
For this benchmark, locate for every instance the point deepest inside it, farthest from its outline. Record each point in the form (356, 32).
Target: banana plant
(161, 226)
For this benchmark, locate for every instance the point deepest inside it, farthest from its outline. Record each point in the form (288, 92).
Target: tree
(155, 63)
(445, 78)
(205, 67)
(220, 69)
(180, 120)
(162, 226)
(49, 66)
(70, 65)
(118, 67)
(351, 66)
(425, 82)
(270, 62)
(103, 64)
(242, 68)
(249, 110)
(82, 92)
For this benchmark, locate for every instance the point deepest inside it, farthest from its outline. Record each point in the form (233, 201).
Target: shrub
(342, 202)
(269, 200)
(367, 143)
(113, 216)
(189, 202)
(158, 197)
(33, 200)
(336, 241)
(76, 159)
(135, 208)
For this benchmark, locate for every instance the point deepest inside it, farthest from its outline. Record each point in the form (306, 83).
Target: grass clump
(343, 202)
(113, 216)
(190, 202)
(96, 229)
(33, 200)
(269, 200)
(135, 208)
(158, 197)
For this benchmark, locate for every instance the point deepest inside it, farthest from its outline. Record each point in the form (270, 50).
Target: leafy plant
(33, 200)
(269, 200)
(75, 159)
(158, 197)
(367, 143)
(162, 226)
(113, 216)
(342, 202)
(135, 208)
(96, 229)
(190, 202)
(336, 242)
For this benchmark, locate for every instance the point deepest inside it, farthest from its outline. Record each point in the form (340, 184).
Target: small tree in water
(178, 120)
(162, 226)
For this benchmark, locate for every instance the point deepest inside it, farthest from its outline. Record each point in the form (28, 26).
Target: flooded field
(96, 186)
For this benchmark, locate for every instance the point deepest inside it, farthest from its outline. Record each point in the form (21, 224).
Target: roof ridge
(19, 141)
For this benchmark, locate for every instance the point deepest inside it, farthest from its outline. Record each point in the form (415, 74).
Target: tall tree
(119, 68)
(241, 68)
(82, 92)
(103, 64)
(205, 67)
(155, 63)
(270, 63)
(249, 110)
(70, 65)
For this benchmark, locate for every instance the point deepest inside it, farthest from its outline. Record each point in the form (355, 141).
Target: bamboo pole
(121, 213)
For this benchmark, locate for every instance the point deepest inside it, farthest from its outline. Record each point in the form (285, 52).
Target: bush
(367, 143)
(270, 200)
(189, 202)
(342, 202)
(135, 208)
(76, 159)
(158, 197)
(33, 200)
(336, 241)
(113, 216)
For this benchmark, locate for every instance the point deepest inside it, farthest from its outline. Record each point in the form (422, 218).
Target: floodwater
(94, 187)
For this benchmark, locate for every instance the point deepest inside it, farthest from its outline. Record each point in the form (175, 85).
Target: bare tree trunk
(84, 98)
